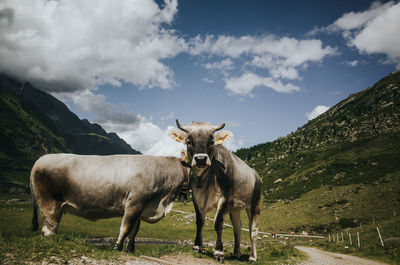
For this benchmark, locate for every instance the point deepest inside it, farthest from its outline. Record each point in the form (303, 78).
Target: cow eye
(188, 142)
(212, 141)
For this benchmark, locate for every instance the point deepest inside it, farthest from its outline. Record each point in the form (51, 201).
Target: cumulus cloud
(291, 49)
(376, 30)
(318, 110)
(147, 137)
(281, 57)
(68, 46)
(244, 85)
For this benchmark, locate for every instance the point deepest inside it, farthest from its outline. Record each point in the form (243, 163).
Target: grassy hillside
(25, 135)
(343, 165)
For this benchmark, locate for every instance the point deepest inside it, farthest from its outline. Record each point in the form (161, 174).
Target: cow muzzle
(200, 163)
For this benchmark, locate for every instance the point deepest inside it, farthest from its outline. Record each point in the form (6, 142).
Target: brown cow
(219, 179)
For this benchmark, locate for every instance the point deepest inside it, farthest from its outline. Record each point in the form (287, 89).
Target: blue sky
(263, 67)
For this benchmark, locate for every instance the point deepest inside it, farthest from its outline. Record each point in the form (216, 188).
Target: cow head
(200, 140)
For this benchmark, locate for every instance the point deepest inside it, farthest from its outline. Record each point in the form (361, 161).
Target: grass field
(19, 245)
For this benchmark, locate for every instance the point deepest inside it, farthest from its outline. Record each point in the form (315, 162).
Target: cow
(136, 187)
(219, 179)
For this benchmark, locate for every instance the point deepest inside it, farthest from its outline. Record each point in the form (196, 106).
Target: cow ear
(179, 136)
(221, 137)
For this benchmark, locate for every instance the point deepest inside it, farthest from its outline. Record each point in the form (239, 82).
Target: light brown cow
(219, 179)
(136, 187)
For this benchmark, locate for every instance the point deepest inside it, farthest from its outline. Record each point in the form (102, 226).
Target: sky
(262, 67)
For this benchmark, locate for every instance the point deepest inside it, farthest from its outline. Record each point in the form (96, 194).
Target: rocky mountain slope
(347, 158)
(33, 123)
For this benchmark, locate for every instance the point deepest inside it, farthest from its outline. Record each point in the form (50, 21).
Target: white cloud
(376, 30)
(293, 50)
(280, 56)
(352, 63)
(245, 84)
(355, 20)
(318, 110)
(68, 46)
(147, 137)
(223, 65)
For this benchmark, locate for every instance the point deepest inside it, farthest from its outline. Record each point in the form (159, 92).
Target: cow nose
(201, 160)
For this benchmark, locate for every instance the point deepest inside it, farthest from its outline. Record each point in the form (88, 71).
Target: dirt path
(320, 257)
(182, 259)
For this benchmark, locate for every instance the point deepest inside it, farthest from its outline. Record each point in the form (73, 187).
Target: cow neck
(211, 176)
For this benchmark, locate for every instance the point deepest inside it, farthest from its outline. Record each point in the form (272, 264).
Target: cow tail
(35, 221)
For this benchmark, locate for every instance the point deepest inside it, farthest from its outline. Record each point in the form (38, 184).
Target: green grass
(321, 209)
(19, 245)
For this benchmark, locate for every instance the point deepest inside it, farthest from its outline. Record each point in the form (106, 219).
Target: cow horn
(222, 125)
(181, 127)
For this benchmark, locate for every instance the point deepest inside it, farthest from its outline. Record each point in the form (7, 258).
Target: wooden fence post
(380, 237)
(351, 243)
(342, 237)
(337, 237)
(358, 239)
(329, 238)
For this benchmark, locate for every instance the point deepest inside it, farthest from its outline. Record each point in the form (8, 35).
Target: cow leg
(218, 225)
(131, 243)
(253, 227)
(129, 219)
(200, 217)
(237, 229)
(51, 212)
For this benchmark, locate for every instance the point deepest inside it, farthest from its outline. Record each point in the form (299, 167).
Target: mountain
(33, 123)
(342, 165)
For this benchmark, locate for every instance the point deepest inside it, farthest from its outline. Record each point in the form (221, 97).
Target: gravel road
(320, 257)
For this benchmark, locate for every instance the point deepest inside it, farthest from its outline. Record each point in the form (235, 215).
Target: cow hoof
(46, 231)
(237, 255)
(220, 259)
(219, 256)
(117, 247)
(252, 260)
(196, 249)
